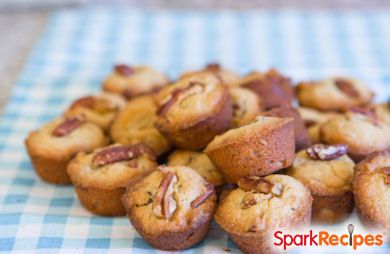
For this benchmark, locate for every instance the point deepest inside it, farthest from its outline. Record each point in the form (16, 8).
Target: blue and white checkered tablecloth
(78, 49)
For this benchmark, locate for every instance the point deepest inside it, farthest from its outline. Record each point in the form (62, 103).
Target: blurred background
(22, 21)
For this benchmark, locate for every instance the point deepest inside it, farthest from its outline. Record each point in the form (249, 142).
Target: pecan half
(202, 197)
(179, 94)
(386, 171)
(260, 185)
(249, 200)
(309, 123)
(68, 126)
(118, 153)
(326, 152)
(346, 87)
(87, 102)
(164, 204)
(124, 69)
(213, 67)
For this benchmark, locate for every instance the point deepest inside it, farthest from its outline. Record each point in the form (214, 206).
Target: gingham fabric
(78, 49)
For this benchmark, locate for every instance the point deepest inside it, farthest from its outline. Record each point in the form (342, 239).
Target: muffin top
(191, 100)
(135, 124)
(360, 129)
(312, 117)
(245, 133)
(263, 203)
(100, 109)
(131, 81)
(170, 199)
(382, 111)
(228, 77)
(325, 169)
(336, 93)
(372, 187)
(111, 167)
(64, 137)
(247, 105)
(199, 162)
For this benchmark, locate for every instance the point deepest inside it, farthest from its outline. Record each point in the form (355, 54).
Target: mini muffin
(256, 149)
(57, 142)
(172, 208)
(371, 187)
(336, 93)
(99, 109)
(327, 171)
(360, 129)
(100, 178)
(194, 110)
(246, 106)
(274, 88)
(199, 162)
(252, 213)
(313, 120)
(302, 139)
(135, 124)
(132, 81)
(228, 77)
(382, 111)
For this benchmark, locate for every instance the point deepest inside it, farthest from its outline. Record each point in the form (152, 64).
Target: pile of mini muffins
(173, 155)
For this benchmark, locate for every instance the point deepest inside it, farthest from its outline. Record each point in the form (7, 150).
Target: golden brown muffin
(195, 110)
(382, 111)
(338, 93)
(360, 129)
(135, 124)
(327, 171)
(246, 106)
(132, 81)
(371, 187)
(101, 177)
(99, 109)
(199, 162)
(313, 120)
(260, 206)
(172, 208)
(302, 139)
(57, 142)
(256, 149)
(274, 88)
(228, 77)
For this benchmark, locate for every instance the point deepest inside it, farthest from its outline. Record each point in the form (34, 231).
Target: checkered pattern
(78, 49)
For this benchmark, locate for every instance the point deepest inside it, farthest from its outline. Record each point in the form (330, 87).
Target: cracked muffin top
(228, 77)
(135, 124)
(111, 167)
(325, 169)
(337, 93)
(247, 105)
(131, 81)
(170, 199)
(372, 187)
(100, 109)
(199, 162)
(63, 137)
(263, 203)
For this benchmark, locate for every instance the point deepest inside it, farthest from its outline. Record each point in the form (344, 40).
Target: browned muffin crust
(302, 139)
(274, 88)
(194, 110)
(257, 149)
(171, 208)
(100, 178)
(57, 142)
(227, 77)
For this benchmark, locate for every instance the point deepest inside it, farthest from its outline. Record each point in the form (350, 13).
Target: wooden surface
(22, 21)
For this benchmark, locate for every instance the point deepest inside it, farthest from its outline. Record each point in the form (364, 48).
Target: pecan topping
(309, 123)
(326, 152)
(260, 185)
(67, 126)
(346, 87)
(164, 204)
(124, 69)
(202, 197)
(179, 94)
(249, 200)
(87, 102)
(118, 153)
(213, 67)
(364, 111)
(386, 171)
